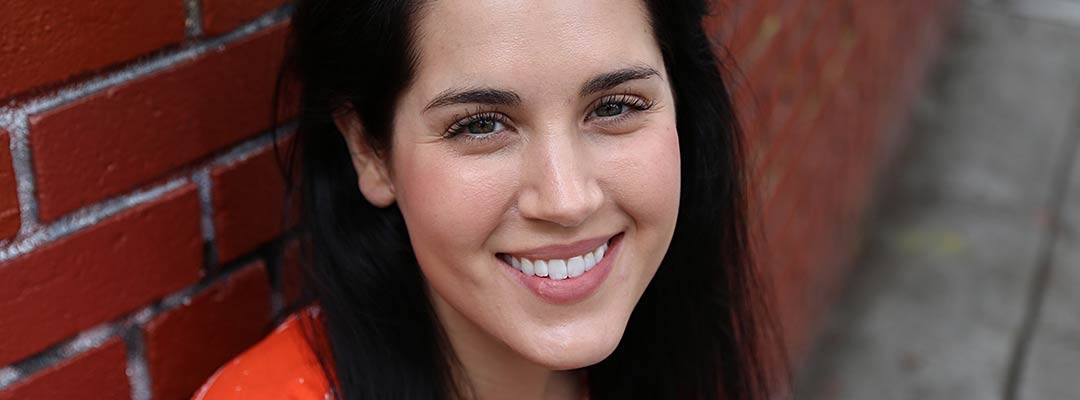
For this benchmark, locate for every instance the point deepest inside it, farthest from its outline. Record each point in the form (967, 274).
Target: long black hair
(699, 328)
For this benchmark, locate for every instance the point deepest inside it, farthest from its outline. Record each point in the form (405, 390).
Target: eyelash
(635, 103)
(459, 127)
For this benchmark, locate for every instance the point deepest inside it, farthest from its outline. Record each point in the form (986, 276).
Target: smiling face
(536, 138)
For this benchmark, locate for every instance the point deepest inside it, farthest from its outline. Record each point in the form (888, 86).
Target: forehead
(517, 43)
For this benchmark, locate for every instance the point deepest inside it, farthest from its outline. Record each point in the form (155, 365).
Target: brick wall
(140, 244)
(823, 88)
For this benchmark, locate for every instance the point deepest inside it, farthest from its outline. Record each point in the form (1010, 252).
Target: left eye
(478, 125)
(610, 110)
(483, 127)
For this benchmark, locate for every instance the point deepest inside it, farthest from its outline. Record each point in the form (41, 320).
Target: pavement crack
(1059, 187)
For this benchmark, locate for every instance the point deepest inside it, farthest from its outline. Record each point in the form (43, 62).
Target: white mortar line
(84, 218)
(129, 328)
(201, 177)
(138, 370)
(193, 19)
(33, 235)
(85, 341)
(15, 120)
(8, 376)
(144, 68)
(25, 182)
(248, 148)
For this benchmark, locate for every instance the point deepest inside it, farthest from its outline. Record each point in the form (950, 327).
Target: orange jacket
(281, 366)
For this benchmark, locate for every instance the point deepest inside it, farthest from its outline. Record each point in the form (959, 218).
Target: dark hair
(698, 329)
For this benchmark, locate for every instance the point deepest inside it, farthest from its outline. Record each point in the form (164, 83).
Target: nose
(559, 182)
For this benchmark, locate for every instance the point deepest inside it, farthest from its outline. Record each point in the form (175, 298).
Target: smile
(566, 273)
(558, 269)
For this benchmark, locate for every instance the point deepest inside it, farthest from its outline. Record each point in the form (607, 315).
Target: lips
(564, 278)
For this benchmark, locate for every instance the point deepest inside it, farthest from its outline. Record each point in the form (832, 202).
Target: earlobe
(372, 174)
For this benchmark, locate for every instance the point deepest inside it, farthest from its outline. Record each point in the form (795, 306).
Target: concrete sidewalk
(969, 282)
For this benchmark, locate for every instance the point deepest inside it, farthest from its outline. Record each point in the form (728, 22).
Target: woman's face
(537, 135)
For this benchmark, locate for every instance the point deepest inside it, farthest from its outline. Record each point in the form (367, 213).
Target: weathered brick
(249, 202)
(185, 345)
(114, 140)
(221, 16)
(9, 197)
(48, 41)
(97, 373)
(99, 274)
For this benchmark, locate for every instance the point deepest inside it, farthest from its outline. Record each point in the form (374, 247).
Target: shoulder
(282, 366)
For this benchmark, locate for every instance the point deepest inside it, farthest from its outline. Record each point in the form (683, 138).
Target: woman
(510, 199)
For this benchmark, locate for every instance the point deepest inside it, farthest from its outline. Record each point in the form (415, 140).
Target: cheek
(450, 204)
(643, 176)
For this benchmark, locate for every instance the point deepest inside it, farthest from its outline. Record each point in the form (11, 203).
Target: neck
(488, 369)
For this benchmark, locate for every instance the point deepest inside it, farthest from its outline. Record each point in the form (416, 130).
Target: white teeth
(558, 269)
(540, 268)
(575, 267)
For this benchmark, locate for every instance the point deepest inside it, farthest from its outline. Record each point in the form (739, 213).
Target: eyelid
(635, 102)
(457, 127)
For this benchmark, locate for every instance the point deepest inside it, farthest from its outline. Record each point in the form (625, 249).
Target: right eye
(478, 126)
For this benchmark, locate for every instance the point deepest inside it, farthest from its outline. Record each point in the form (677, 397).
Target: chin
(581, 353)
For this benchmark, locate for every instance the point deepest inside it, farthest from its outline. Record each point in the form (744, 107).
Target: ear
(372, 173)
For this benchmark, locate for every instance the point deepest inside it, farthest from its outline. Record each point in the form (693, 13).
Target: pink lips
(567, 290)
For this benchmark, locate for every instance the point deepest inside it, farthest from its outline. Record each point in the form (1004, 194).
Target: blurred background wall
(824, 88)
(140, 201)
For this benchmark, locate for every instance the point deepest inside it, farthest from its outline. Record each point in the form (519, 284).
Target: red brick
(249, 199)
(221, 16)
(98, 373)
(112, 141)
(99, 273)
(9, 197)
(825, 91)
(185, 345)
(48, 41)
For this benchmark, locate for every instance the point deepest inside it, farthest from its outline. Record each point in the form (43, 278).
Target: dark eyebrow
(475, 96)
(610, 80)
(604, 81)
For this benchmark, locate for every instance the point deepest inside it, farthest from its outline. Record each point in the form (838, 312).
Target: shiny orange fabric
(281, 366)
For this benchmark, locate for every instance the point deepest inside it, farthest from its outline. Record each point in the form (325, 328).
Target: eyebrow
(475, 96)
(490, 96)
(610, 80)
